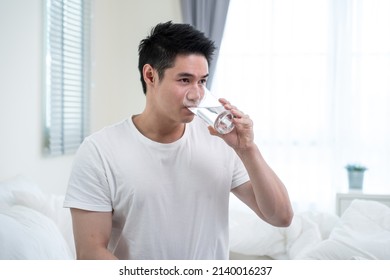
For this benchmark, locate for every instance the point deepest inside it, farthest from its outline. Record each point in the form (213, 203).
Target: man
(157, 185)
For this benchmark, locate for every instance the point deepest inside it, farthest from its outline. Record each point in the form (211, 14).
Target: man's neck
(157, 129)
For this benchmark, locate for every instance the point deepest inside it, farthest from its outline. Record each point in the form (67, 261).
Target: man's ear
(149, 74)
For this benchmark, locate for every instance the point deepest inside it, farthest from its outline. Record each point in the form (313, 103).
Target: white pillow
(15, 183)
(27, 234)
(249, 235)
(50, 205)
(364, 233)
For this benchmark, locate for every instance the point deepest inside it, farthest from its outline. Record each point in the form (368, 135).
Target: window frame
(67, 67)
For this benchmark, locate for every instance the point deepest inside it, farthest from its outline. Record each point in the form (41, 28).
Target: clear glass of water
(206, 106)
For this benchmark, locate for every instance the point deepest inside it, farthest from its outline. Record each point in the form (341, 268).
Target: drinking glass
(206, 106)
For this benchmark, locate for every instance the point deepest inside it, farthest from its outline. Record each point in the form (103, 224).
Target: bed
(362, 232)
(34, 225)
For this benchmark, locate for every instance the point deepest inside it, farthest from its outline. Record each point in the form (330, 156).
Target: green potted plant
(355, 176)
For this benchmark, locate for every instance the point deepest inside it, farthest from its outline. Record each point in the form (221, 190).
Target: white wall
(119, 25)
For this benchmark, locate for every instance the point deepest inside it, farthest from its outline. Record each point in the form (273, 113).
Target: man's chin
(189, 118)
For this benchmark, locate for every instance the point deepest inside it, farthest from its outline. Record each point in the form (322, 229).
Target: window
(313, 75)
(67, 71)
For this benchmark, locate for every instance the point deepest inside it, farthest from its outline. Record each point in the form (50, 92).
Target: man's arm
(264, 193)
(92, 232)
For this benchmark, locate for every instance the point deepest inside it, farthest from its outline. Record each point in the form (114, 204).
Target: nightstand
(343, 200)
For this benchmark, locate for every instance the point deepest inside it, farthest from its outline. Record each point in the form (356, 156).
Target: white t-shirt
(169, 201)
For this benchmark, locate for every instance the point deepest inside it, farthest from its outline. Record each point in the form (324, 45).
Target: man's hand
(241, 137)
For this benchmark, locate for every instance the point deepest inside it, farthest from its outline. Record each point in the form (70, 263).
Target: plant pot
(355, 179)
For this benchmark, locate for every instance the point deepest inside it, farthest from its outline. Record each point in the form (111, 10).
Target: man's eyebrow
(186, 75)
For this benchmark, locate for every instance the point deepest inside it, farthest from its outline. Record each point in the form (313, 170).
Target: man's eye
(185, 80)
(203, 82)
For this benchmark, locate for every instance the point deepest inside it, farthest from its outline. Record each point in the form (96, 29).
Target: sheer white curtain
(315, 78)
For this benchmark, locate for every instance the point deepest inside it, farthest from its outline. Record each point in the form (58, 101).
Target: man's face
(188, 72)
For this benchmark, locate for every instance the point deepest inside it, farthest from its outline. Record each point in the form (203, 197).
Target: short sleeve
(88, 186)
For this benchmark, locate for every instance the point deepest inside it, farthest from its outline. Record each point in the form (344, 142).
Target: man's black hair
(166, 41)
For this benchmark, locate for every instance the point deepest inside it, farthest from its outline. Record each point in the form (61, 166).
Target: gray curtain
(208, 16)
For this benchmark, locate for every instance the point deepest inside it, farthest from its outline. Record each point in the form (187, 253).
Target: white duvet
(362, 232)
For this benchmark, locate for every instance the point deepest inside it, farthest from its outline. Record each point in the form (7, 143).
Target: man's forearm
(271, 195)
